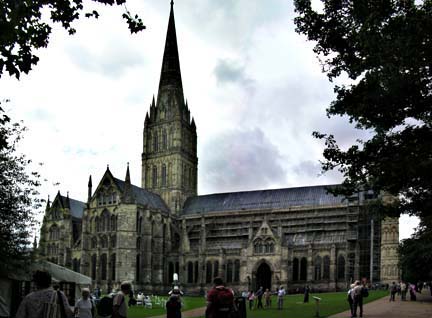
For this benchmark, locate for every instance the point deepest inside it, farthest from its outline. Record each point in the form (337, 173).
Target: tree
(385, 49)
(415, 257)
(18, 194)
(23, 28)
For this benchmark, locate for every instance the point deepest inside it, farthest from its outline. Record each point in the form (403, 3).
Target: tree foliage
(416, 257)
(23, 28)
(18, 194)
(385, 49)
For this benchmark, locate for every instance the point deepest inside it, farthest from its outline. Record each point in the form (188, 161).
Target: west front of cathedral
(291, 237)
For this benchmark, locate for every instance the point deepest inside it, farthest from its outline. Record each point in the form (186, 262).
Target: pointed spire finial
(127, 179)
(89, 194)
(172, 3)
(107, 166)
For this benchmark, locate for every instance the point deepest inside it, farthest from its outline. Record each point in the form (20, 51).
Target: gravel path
(382, 308)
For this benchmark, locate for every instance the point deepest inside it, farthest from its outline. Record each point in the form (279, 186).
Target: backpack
(364, 292)
(55, 308)
(105, 306)
(225, 303)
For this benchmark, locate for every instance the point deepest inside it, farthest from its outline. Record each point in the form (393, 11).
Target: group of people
(48, 301)
(356, 293)
(402, 289)
(256, 298)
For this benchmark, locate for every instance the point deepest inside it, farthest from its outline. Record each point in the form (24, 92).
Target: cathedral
(145, 234)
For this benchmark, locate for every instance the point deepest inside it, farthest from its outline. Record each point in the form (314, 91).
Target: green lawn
(331, 303)
(159, 309)
(294, 307)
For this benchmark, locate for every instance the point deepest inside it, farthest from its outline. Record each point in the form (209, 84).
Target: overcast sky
(253, 85)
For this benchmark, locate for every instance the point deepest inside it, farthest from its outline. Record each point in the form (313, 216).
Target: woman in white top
(84, 307)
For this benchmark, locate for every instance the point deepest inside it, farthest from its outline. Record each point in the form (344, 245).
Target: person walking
(119, 304)
(267, 298)
(34, 305)
(393, 291)
(220, 301)
(85, 307)
(403, 290)
(350, 299)
(306, 294)
(259, 294)
(251, 298)
(281, 294)
(358, 291)
(173, 306)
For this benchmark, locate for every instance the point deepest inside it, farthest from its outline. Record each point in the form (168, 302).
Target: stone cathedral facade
(144, 234)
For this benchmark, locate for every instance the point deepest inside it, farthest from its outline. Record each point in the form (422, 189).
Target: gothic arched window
(164, 175)
(208, 272)
(317, 268)
(103, 265)
(113, 266)
(196, 271)
(154, 177)
(113, 241)
(138, 267)
(94, 242)
(104, 242)
(326, 267)
(341, 267)
(295, 269)
(164, 140)
(190, 272)
(229, 276)
(170, 272)
(236, 271)
(93, 266)
(97, 223)
(303, 268)
(155, 141)
(216, 269)
(105, 218)
(113, 223)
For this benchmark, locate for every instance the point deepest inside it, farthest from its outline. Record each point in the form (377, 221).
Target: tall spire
(170, 73)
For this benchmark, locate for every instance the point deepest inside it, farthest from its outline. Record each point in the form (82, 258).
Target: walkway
(382, 308)
(197, 312)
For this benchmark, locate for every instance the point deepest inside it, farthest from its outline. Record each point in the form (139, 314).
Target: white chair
(147, 302)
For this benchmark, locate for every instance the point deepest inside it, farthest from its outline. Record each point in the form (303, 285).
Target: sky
(253, 85)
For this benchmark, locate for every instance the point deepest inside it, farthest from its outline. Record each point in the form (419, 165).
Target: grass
(331, 303)
(188, 304)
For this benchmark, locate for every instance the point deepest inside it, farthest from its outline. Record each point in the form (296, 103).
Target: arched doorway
(263, 276)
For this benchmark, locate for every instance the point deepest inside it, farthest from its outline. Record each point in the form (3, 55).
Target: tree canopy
(385, 49)
(19, 201)
(23, 28)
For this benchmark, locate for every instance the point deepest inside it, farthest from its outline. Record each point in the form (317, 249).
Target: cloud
(112, 60)
(241, 160)
(229, 71)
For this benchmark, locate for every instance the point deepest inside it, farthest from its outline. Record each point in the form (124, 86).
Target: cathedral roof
(76, 207)
(144, 197)
(263, 199)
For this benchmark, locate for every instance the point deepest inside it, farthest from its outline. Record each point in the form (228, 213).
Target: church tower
(169, 158)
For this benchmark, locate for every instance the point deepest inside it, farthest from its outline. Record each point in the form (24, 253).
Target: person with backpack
(84, 307)
(220, 301)
(173, 306)
(45, 302)
(358, 293)
(119, 303)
